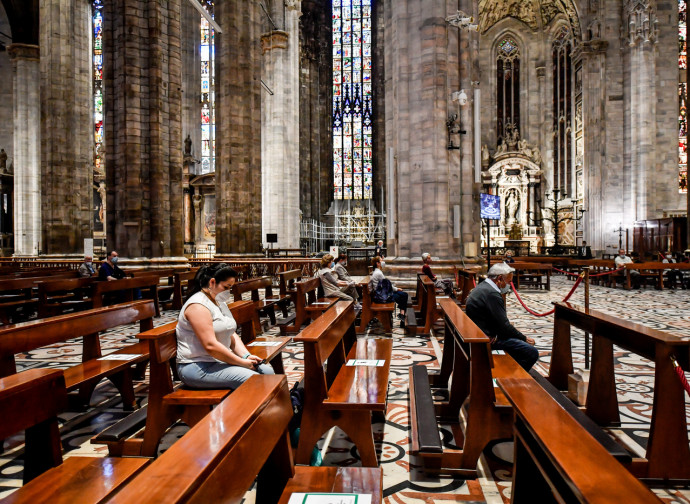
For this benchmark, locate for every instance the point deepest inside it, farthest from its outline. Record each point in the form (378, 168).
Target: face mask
(332, 265)
(506, 289)
(114, 260)
(223, 297)
(669, 256)
(89, 264)
(383, 263)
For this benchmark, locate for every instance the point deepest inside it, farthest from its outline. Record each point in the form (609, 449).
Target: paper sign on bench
(264, 343)
(320, 303)
(330, 498)
(499, 352)
(366, 362)
(122, 357)
(271, 299)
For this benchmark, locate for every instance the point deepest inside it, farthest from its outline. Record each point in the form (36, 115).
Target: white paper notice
(499, 352)
(321, 303)
(366, 362)
(330, 498)
(264, 343)
(271, 299)
(121, 356)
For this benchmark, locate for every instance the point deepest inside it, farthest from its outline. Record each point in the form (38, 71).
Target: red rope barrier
(474, 282)
(681, 376)
(550, 312)
(590, 276)
(566, 272)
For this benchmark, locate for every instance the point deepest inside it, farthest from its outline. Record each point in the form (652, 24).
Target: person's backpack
(383, 292)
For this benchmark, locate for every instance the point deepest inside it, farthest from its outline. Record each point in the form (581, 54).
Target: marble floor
(403, 481)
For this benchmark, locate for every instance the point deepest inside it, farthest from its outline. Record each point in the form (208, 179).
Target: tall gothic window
(352, 100)
(562, 111)
(208, 116)
(682, 98)
(98, 83)
(508, 85)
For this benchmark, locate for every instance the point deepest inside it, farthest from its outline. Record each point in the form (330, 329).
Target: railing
(556, 250)
(266, 267)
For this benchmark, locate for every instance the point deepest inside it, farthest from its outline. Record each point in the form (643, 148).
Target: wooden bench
(308, 305)
(26, 336)
(31, 401)
(370, 310)
(166, 276)
(421, 320)
(245, 436)
(183, 282)
(286, 285)
(466, 280)
(126, 288)
(653, 271)
(668, 453)
(20, 294)
(532, 274)
(487, 413)
(168, 403)
(266, 306)
(556, 460)
(55, 297)
(341, 395)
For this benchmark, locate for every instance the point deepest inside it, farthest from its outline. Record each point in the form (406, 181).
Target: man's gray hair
(425, 255)
(500, 269)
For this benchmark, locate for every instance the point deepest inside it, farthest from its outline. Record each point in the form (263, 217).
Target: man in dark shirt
(109, 269)
(486, 309)
(379, 250)
(584, 251)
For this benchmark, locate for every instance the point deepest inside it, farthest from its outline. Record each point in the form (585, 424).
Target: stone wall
(191, 77)
(6, 96)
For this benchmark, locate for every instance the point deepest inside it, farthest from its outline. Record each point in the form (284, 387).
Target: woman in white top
(399, 296)
(210, 354)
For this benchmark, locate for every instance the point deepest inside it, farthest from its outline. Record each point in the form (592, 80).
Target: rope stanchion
(681, 375)
(550, 312)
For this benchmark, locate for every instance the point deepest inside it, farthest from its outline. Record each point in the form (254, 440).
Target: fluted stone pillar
(143, 127)
(26, 77)
(67, 145)
(280, 132)
(238, 127)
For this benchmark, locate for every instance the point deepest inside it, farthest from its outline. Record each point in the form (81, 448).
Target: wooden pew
(556, 460)
(31, 401)
(652, 270)
(20, 294)
(488, 414)
(249, 437)
(148, 285)
(343, 396)
(668, 453)
(308, 305)
(264, 306)
(55, 297)
(466, 280)
(26, 336)
(286, 285)
(428, 312)
(168, 402)
(370, 310)
(183, 282)
(166, 285)
(532, 274)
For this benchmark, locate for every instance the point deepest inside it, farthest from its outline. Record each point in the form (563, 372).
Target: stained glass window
(352, 99)
(208, 119)
(508, 86)
(98, 83)
(562, 111)
(682, 98)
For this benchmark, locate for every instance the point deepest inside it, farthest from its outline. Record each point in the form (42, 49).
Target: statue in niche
(536, 156)
(486, 157)
(501, 149)
(3, 161)
(512, 206)
(188, 146)
(512, 138)
(102, 194)
(453, 125)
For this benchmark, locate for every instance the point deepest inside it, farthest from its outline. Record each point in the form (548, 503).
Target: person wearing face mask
(332, 286)
(379, 251)
(340, 270)
(485, 308)
(109, 269)
(210, 354)
(621, 260)
(672, 275)
(400, 297)
(86, 269)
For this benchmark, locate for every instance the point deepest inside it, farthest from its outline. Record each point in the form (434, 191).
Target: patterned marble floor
(403, 481)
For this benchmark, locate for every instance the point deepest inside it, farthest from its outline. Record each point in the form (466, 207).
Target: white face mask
(383, 263)
(223, 297)
(506, 289)
(669, 256)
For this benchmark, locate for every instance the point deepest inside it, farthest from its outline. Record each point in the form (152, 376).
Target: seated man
(486, 309)
(622, 259)
(109, 269)
(584, 251)
(672, 275)
(445, 284)
(343, 275)
(86, 269)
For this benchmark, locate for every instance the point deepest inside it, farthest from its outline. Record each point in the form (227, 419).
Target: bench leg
(158, 420)
(43, 449)
(529, 484)
(192, 415)
(275, 473)
(124, 385)
(602, 402)
(561, 356)
(385, 318)
(277, 364)
(357, 425)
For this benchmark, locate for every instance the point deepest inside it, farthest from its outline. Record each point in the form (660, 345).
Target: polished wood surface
(31, 401)
(667, 456)
(182, 283)
(78, 479)
(307, 294)
(428, 311)
(147, 284)
(547, 434)
(56, 296)
(466, 280)
(532, 274)
(370, 310)
(360, 480)
(265, 306)
(341, 395)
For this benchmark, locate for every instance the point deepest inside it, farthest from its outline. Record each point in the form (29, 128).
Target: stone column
(143, 127)
(26, 76)
(280, 132)
(593, 110)
(238, 121)
(67, 131)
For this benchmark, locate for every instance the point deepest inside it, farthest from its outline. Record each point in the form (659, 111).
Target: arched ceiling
(537, 14)
(23, 18)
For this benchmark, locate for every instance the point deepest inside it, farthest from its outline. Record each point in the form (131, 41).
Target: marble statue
(512, 138)
(188, 146)
(512, 205)
(501, 149)
(486, 157)
(3, 161)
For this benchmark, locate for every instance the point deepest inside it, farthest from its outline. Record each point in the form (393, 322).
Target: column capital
(275, 39)
(24, 51)
(293, 4)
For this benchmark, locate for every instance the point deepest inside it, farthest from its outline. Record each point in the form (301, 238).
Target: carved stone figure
(501, 149)
(512, 138)
(512, 206)
(536, 156)
(3, 161)
(486, 157)
(188, 146)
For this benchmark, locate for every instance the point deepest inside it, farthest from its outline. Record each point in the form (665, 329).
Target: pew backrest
(286, 281)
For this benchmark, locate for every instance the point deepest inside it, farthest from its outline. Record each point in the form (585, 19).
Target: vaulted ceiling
(537, 14)
(23, 18)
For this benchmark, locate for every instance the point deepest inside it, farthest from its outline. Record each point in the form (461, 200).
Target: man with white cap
(486, 309)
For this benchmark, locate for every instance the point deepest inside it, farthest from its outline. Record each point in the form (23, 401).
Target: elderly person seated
(486, 309)
(332, 286)
(86, 268)
(399, 297)
(340, 270)
(445, 284)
